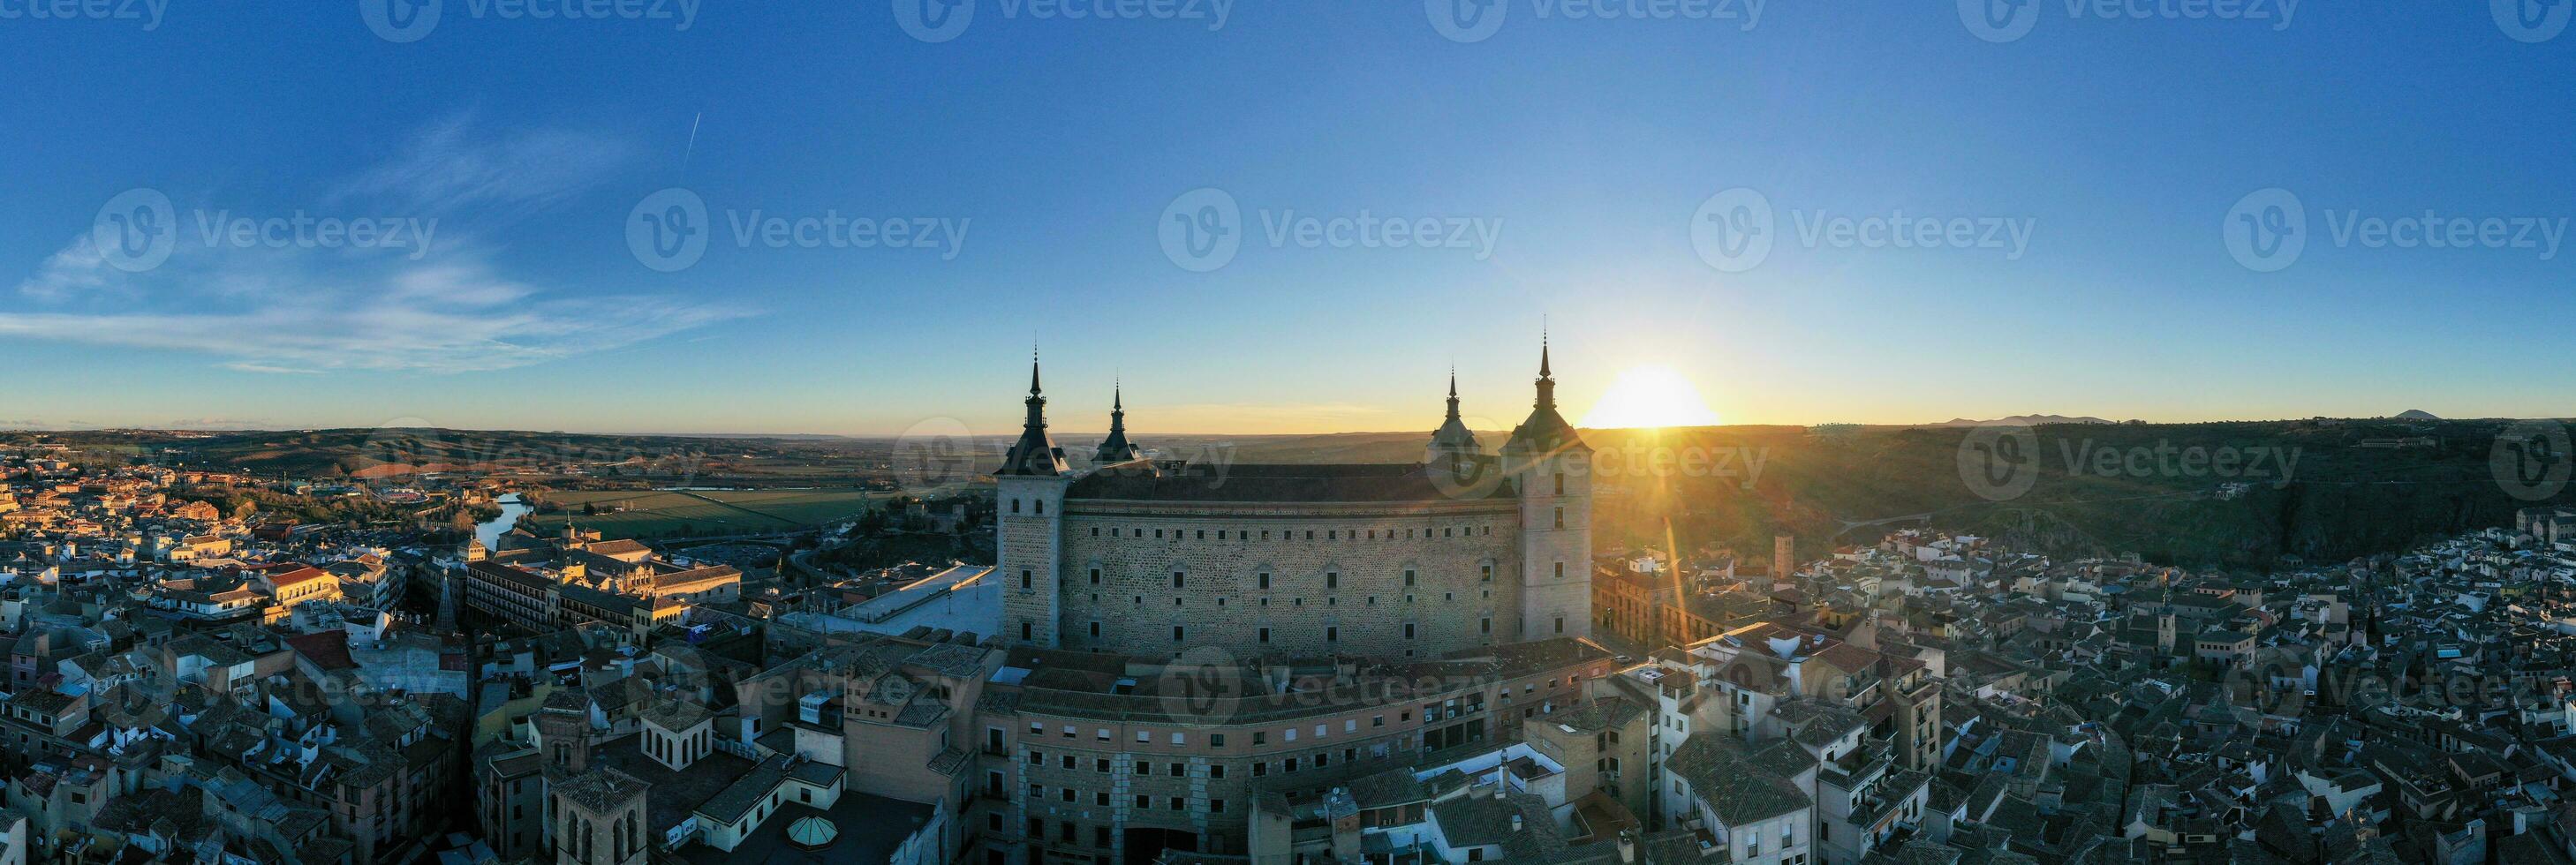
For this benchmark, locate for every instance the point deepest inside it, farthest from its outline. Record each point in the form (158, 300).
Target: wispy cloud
(292, 310)
(454, 167)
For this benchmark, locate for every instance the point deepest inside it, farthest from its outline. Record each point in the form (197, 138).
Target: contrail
(693, 142)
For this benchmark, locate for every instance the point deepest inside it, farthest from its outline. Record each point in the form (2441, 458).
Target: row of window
(1308, 534)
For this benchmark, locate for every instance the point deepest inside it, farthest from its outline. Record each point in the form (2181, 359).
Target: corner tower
(1550, 467)
(1029, 506)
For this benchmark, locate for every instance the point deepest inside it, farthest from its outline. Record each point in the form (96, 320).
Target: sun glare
(1649, 396)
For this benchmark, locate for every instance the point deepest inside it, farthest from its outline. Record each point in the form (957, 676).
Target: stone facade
(1155, 557)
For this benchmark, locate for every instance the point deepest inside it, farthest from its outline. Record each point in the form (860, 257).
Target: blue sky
(1568, 157)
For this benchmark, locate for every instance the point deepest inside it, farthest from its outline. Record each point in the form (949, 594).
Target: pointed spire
(1034, 454)
(1453, 393)
(1546, 377)
(1116, 448)
(1542, 353)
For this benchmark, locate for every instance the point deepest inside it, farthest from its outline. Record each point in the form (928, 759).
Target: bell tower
(1029, 506)
(1550, 468)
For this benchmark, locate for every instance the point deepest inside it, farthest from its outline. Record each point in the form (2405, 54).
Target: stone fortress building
(1151, 557)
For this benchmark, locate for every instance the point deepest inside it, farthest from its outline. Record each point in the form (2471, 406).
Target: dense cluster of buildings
(1393, 665)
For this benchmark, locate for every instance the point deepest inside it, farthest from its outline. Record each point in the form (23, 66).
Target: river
(511, 510)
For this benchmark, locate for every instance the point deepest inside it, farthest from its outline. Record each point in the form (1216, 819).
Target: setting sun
(1649, 396)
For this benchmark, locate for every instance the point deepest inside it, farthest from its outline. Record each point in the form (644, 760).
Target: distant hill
(2322, 490)
(2021, 420)
(2416, 414)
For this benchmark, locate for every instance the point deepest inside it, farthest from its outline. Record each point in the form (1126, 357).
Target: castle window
(1176, 579)
(1408, 576)
(1265, 581)
(1158, 533)
(1486, 626)
(1015, 506)
(1332, 580)
(1408, 630)
(1265, 534)
(1487, 573)
(1095, 629)
(1560, 483)
(1560, 624)
(1310, 534)
(1176, 633)
(1560, 570)
(1332, 634)
(1041, 505)
(1265, 635)
(1333, 535)
(1202, 535)
(1026, 581)
(1025, 632)
(1095, 576)
(1560, 518)
(1445, 533)
(1095, 531)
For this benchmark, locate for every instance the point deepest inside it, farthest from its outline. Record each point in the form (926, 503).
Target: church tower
(1453, 442)
(1550, 468)
(1030, 506)
(1116, 448)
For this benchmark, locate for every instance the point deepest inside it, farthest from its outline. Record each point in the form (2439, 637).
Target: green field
(654, 513)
